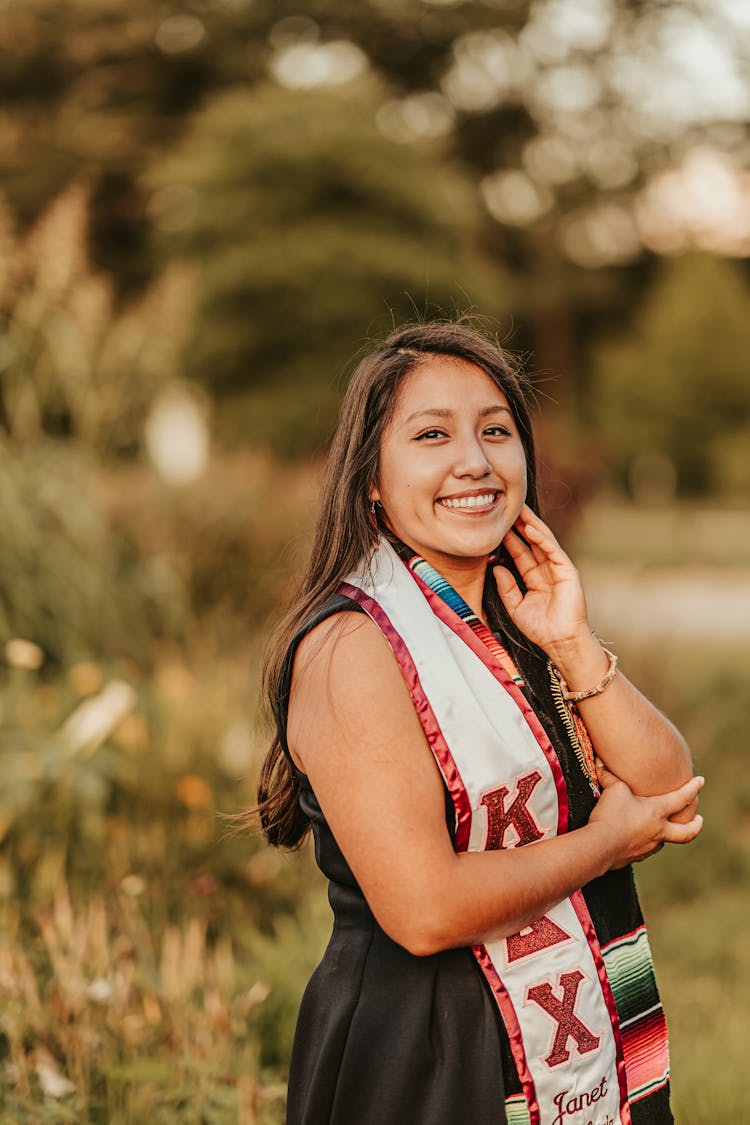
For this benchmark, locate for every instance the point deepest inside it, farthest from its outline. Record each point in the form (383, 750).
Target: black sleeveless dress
(387, 1038)
(384, 1037)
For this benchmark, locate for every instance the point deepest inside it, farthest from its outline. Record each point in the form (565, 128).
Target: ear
(374, 494)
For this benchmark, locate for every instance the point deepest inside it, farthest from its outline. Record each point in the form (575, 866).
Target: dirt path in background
(707, 603)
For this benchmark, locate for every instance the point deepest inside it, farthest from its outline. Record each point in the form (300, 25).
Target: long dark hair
(345, 532)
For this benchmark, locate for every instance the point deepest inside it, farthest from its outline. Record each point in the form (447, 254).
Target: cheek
(403, 478)
(515, 468)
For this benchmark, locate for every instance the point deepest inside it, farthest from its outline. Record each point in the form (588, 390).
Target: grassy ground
(695, 898)
(700, 949)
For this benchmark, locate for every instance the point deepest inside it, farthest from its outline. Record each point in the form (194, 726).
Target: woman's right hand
(637, 827)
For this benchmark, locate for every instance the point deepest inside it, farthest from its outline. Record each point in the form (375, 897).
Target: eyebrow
(443, 412)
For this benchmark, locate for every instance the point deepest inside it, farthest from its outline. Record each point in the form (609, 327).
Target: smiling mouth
(469, 503)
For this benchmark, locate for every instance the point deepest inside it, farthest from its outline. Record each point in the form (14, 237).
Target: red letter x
(568, 1023)
(499, 818)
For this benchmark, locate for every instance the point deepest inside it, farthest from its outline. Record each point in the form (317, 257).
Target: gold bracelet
(604, 682)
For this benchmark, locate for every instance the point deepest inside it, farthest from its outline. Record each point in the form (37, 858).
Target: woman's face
(452, 470)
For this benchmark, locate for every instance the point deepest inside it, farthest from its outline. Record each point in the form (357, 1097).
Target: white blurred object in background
(95, 719)
(177, 437)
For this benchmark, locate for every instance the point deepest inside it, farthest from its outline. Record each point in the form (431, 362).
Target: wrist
(601, 846)
(580, 659)
(578, 695)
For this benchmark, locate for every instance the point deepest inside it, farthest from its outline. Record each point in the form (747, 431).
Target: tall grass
(151, 960)
(695, 898)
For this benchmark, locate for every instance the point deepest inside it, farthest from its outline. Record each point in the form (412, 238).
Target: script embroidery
(567, 1103)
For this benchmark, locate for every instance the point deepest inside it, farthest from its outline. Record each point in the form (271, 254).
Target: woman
(439, 698)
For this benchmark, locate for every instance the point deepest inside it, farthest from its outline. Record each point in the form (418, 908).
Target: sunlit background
(206, 209)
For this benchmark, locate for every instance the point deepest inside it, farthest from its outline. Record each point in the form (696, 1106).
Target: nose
(471, 459)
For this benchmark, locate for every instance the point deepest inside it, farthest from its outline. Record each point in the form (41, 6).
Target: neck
(466, 576)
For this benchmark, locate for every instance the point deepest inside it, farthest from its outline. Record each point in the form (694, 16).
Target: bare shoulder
(344, 646)
(346, 683)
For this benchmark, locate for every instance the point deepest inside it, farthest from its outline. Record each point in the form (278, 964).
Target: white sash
(507, 787)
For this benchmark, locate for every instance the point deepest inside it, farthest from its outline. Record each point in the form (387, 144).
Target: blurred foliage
(499, 156)
(108, 84)
(72, 364)
(66, 582)
(98, 563)
(674, 384)
(308, 225)
(100, 558)
(234, 535)
(695, 900)
(139, 931)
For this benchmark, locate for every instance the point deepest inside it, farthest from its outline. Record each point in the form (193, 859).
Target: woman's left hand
(635, 741)
(552, 612)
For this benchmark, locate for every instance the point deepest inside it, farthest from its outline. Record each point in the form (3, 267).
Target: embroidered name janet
(566, 1104)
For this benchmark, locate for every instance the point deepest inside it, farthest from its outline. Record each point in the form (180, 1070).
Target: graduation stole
(549, 980)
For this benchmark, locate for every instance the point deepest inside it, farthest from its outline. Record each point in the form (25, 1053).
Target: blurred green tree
(73, 364)
(674, 384)
(560, 113)
(103, 88)
(305, 221)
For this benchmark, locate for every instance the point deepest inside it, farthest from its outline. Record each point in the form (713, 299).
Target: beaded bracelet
(604, 682)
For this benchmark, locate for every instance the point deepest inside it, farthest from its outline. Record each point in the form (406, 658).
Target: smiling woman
(478, 776)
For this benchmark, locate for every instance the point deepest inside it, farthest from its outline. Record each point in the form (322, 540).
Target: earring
(372, 508)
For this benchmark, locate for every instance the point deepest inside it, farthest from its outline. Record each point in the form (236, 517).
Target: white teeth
(469, 501)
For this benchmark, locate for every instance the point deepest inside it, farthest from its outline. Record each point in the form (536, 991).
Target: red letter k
(517, 816)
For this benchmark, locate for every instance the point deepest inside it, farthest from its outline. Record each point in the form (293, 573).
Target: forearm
(447, 900)
(483, 896)
(628, 733)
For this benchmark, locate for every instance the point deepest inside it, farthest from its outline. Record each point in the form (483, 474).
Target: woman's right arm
(354, 731)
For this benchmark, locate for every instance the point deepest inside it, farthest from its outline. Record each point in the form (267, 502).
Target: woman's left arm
(631, 736)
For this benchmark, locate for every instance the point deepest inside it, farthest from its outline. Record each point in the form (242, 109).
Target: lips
(469, 502)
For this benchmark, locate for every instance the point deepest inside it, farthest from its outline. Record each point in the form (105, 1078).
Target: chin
(476, 549)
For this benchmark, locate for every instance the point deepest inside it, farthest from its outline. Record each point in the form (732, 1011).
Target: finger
(529, 516)
(533, 550)
(684, 796)
(604, 774)
(538, 550)
(683, 833)
(507, 588)
(528, 520)
(528, 557)
(539, 537)
(520, 552)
